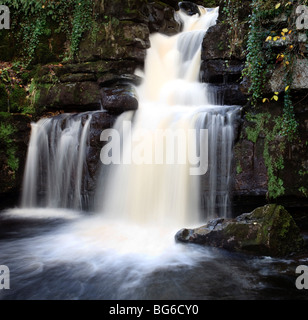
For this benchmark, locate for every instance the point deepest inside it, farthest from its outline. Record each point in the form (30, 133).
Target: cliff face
(268, 164)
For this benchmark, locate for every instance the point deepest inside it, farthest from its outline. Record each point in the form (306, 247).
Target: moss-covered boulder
(268, 230)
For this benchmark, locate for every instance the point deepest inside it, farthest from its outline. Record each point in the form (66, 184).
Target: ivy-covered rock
(268, 230)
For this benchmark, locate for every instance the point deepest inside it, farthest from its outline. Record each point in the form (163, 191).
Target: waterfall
(56, 163)
(171, 99)
(166, 166)
(176, 150)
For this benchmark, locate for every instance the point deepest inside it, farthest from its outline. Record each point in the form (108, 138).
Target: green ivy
(230, 10)
(272, 154)
(262, 57)
(7, 141)
(82, 18)
(31, 17)
(257, 66)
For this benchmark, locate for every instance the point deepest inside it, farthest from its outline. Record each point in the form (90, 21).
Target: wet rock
(220, 71)
(161, 19)
(268, 230)
(119, 98)
(112, 79)
(189, 7)
(100, 122)
(222, 67)
(227, 94)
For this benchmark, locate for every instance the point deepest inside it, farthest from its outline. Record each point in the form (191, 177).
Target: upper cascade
(173, 63)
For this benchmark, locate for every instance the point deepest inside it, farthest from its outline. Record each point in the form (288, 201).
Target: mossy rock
(268, 230)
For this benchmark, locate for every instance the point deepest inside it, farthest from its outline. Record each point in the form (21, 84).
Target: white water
(55, 163)
(140, 206)
(172, 98)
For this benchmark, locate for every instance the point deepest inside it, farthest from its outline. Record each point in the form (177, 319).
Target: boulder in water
(268, 230)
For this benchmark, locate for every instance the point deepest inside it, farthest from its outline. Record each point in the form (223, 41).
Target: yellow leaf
(287, 88)
(276, 93)
(287, 63)
(284, 38)
(285, 30)
(275, 38)
(275, 98)
(264, 100)
(277, 6)
(268, 38)
(282, 33)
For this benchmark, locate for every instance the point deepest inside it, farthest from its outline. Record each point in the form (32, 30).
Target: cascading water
(55, 168)
(127, 250)
(172, 99)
